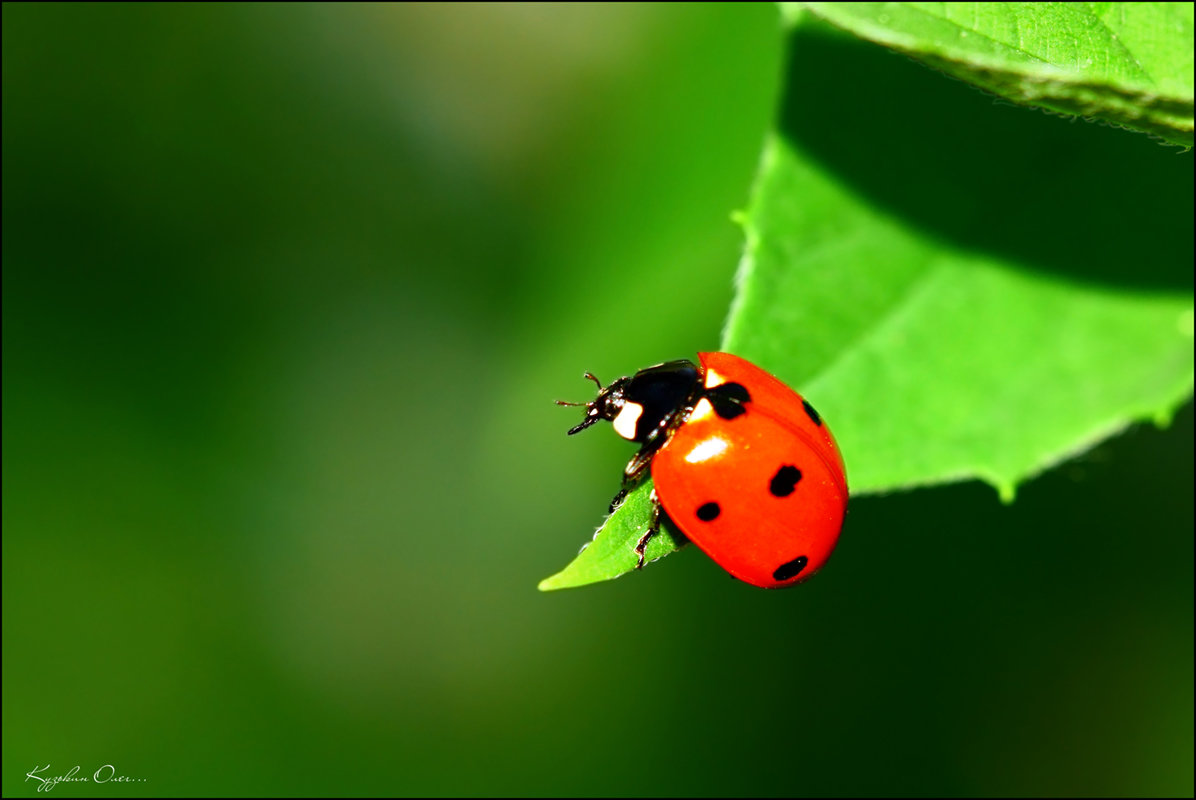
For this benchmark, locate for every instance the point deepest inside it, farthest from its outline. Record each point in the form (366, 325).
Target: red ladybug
(743, 466)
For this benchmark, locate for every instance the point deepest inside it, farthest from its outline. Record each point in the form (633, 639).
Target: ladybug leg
(638, 465)
(634, 472)
(653, 529)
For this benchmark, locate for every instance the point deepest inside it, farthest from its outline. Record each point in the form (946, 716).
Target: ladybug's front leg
(653, 529)
(633, 473)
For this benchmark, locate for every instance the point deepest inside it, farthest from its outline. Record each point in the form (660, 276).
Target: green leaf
(1129, 64)
(612, 552)
(983, 295)
(963, 290)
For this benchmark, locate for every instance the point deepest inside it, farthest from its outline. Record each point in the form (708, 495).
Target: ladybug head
(640, 405)
(606, 405)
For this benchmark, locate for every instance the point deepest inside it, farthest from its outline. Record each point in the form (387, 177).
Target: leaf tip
(557, 581)
(1162, 418)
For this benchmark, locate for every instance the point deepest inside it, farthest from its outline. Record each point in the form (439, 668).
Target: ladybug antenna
(591, 407)
(590, 376)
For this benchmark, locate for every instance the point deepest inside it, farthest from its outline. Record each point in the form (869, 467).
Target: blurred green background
(287, 294)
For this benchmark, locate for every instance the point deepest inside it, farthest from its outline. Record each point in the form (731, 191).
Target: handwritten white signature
(105, 774)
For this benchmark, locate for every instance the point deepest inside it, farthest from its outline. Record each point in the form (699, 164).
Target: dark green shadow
(1081, 200)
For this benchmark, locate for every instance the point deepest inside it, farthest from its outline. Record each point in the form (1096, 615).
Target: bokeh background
(287, 294)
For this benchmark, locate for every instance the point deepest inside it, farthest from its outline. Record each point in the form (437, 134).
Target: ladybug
(741, 464)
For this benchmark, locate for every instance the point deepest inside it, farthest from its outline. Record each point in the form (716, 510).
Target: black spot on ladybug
(790, 569)
(708, 512)
(728, 399)
(785, 481)
(811, 413)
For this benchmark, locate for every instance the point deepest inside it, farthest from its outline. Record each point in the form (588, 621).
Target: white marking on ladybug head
(624, 421)
(711, 448)
(702, 410)
(714, 379)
